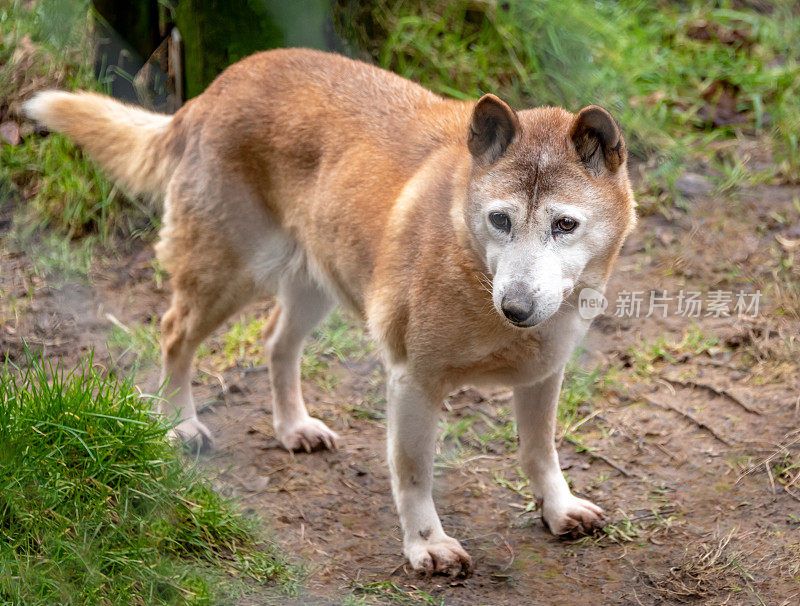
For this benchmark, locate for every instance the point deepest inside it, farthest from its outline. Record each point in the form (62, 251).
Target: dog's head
(548, 203)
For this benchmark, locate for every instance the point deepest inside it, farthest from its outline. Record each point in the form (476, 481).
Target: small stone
(693, 185)
(9, 133)
(256, 484)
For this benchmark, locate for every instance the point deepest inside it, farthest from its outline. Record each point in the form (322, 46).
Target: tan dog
(462, 231)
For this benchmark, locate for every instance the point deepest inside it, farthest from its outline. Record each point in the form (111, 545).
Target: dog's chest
(525, 359)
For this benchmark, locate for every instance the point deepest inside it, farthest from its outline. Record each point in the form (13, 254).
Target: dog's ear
(494, 125)
(598, 140)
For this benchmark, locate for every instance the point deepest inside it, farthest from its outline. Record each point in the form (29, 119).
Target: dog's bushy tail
(138, 148)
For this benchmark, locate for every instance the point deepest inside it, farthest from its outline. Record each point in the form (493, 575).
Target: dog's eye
(565, 225)
(501, 221)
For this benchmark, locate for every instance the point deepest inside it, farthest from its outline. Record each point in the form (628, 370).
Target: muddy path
(682, 428)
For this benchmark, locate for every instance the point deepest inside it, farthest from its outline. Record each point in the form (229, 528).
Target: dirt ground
(688, 447)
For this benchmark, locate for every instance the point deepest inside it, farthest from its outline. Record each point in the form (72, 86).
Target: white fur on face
(548, 264)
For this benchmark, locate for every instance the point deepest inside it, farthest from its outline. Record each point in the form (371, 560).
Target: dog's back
(308, 134)
(328, 143)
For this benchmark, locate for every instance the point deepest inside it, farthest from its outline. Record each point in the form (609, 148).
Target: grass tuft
(244, 343)
(644, 357)
(336, 339)
(709, 572)
(387, 591)
(50, 45)
(142, 341)
(580, 388)
(97, 507)
(64, 189)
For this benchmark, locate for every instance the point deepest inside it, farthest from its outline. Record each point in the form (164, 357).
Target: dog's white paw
(192, 433)
(572, 516)
(443, 555)
(307, 434)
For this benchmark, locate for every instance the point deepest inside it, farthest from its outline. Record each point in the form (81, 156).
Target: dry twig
(710, 573)
(786, 449)
(722, 393)
(596, 455)
(689, 417)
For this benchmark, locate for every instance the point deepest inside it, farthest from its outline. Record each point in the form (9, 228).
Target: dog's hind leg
(196, 310)
(210, 281)
(302, 303)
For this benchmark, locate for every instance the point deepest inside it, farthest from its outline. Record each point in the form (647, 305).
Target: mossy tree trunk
(217, 33)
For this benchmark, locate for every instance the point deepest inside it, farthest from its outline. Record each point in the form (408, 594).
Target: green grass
(63, 189)
(53, 259)
(387, 591)
(580, 388)
(644, 357)
(43, 42)
(139, 340)
(373, 404)
(631, 530)
(49, 45)
(97, 507)
(244, 344)
(335, 339)
(484, 431)
(661, 68)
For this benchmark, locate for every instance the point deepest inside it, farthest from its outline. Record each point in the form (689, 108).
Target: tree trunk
(217, 33)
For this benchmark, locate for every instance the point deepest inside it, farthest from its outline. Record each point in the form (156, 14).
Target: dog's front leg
(412, 425)
(535, 408)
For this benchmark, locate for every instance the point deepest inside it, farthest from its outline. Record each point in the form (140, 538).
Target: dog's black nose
(517, 305)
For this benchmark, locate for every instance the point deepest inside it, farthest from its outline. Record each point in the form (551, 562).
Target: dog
(462, 232)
